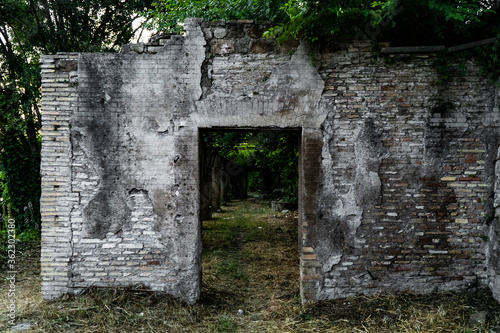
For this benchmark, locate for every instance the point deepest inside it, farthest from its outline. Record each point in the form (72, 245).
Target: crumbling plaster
(397, 178)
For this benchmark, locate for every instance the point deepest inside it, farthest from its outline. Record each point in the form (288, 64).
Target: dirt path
(250, 258)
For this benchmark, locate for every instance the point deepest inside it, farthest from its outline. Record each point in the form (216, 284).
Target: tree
(319, 18)
(168, 14)
(447, 22)
(269, 158)
(414, 22)
(28, 29)
(82, 25)
(20, 117)
(411, 22)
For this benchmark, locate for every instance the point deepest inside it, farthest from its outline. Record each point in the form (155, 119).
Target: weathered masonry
(399, 176)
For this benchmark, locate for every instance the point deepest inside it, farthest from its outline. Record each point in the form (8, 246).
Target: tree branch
(104, 21)
(39, 25)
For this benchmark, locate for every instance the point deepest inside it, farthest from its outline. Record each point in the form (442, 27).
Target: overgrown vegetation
(401, 22)
(250, 263)
(170, 14)
(395, 20)
(488, 57)
(269, 158)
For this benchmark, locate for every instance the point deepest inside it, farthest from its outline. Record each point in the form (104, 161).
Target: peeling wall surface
(398, 174)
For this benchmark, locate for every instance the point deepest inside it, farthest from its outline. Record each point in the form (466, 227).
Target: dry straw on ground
(250, 284)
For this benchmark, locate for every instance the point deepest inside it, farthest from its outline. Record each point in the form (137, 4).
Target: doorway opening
(249, 216)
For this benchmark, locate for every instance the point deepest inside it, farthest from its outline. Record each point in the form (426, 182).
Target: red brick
(470, 179)
(470, 158)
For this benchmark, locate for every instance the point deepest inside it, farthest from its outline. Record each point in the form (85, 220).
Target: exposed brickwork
(60, 93)
(424, 229)
(398, 173)
(310, 155)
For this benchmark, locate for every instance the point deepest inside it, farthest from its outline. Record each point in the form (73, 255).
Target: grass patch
(227, 324)
(232, 269)
(250, 263)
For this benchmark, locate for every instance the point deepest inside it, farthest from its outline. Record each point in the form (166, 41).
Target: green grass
(227, 324)
(232, 269)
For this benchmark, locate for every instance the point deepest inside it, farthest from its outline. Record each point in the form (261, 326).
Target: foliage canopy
(169, 14)
(270, 159)
(414, 22)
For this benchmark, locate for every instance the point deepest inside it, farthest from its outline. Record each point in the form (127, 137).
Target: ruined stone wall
(125, 227)
(408, 174)
(397, 179)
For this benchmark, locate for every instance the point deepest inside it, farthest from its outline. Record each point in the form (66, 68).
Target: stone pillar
(217, 174)
(205, 183)
(60, 89)
(309, 178)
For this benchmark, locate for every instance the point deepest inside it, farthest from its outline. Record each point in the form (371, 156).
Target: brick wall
(60, 93)
(410, 164)
(397, 181)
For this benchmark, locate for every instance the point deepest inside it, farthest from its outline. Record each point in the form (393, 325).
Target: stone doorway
(239, 230)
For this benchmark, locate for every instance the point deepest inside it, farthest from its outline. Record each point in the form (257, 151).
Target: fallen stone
(21, 327)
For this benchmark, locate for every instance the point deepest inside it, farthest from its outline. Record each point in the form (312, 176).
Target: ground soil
(250, 284)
